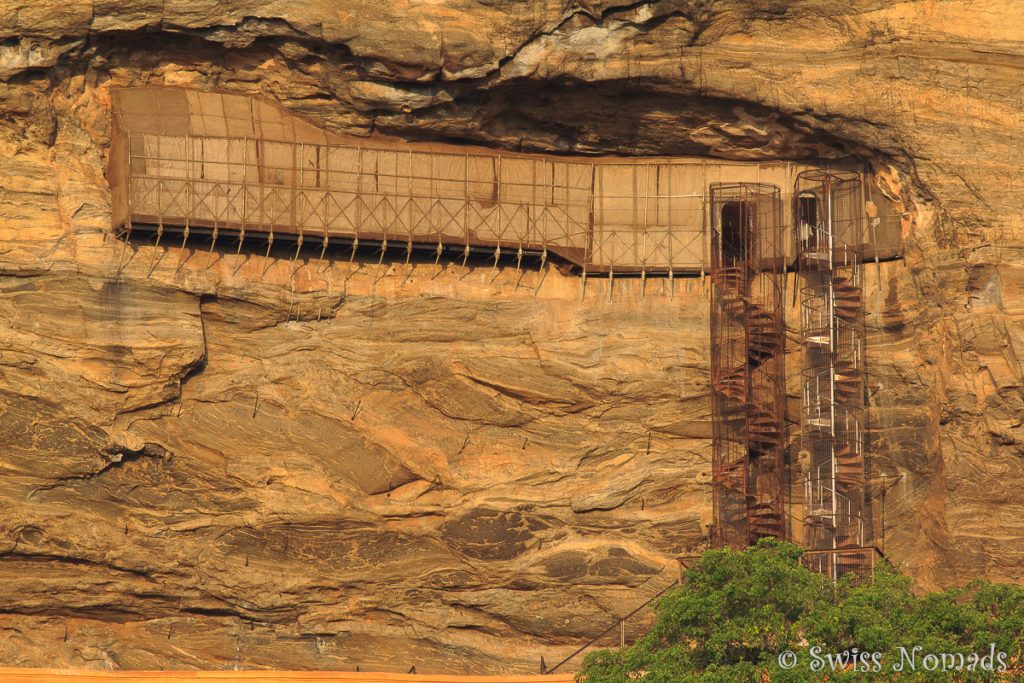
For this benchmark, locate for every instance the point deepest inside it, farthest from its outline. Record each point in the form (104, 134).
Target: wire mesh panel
(747, 363)
(829, 229)
(648, 216)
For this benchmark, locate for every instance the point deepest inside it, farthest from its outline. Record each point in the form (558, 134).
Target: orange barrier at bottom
(13, 675)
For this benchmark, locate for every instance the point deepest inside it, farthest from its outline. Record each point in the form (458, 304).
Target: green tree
(735, 613)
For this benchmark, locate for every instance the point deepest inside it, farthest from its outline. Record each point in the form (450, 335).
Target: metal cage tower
(747, 363)
(829, 230)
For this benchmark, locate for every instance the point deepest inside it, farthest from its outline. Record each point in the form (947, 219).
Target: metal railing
(625, 630)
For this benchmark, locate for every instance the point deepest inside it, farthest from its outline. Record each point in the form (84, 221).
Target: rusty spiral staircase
(747, 352)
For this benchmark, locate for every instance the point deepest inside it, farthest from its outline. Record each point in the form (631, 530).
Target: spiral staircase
(832, 415)
(753, 474)
(747, 382)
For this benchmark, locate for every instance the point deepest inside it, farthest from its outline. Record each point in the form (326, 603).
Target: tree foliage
(735, 613)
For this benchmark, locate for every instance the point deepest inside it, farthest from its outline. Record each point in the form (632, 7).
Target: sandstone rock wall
(213, 460)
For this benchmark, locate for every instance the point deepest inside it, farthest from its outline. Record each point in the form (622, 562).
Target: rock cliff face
(213, 460)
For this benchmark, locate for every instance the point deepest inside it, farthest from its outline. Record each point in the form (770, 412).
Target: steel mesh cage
(828, 207)
(747, 362)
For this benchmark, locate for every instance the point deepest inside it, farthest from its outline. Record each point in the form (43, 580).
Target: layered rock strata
(213, 460)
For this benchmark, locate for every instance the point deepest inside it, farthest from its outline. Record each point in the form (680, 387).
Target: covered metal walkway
(229, 164)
